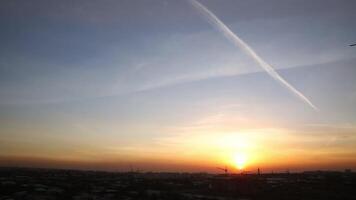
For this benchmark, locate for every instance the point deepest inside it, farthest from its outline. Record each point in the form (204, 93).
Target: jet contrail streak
(221, 27)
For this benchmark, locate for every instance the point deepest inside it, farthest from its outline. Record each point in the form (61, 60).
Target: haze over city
(179, 86)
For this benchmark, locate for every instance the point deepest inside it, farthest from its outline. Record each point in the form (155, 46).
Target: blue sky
(121, 80)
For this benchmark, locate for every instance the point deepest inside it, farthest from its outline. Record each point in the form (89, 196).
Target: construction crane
(223, 169)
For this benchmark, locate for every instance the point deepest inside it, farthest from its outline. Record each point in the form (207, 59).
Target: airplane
(351, 45)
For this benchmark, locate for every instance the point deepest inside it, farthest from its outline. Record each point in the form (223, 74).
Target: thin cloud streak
(221, 27)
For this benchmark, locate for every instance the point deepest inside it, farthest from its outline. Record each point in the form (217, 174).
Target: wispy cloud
(220, 26)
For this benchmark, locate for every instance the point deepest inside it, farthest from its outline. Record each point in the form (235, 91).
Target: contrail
(221, 27)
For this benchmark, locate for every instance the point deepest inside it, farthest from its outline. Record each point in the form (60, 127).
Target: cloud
(220, 26)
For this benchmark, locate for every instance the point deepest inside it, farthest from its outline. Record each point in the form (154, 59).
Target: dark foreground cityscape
(26, 183)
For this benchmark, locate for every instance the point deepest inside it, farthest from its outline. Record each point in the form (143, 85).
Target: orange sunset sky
(176, 86)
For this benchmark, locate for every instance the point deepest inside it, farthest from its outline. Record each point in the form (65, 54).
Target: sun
(240, 161)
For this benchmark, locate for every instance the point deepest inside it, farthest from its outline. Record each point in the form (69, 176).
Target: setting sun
(240, 161)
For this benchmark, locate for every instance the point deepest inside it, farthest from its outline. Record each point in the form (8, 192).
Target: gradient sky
(150, 84)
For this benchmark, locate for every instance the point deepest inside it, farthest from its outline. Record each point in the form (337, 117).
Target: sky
(152, 85)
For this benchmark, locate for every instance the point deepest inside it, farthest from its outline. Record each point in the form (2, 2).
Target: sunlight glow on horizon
(240, 161)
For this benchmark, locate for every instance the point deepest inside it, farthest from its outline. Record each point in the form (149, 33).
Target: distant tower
(258, 171)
